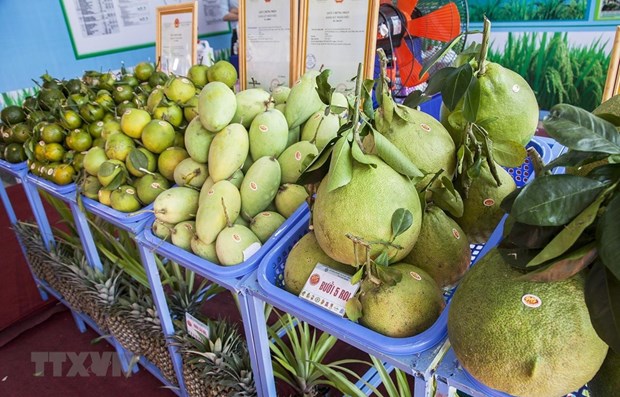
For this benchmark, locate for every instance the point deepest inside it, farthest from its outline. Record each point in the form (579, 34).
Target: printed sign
(196, 328)
(329, 289)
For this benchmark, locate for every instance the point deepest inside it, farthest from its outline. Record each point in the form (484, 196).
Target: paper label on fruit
(251, 250)
(532, 301)
(196, 328)
(329, 289)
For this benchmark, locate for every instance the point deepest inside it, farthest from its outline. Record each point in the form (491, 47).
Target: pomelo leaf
(341, 165)
(614, 159)
(508, 153)
(319, 166)
(138, 159)
(507, 202)
(530, 236)
(415, 99)
(362, 157)
(580, 130)
(106, 169)
(457, 84)
(608, 173)
(394, 157)
(402, 219)
(574, 158)
(608, 236)
(565, 266)
(402, 112)
(471, 104)
(447, 198)
(554, 200)
(514, 255)
(367, 86)
(389, 275)
(567, 237)
(437, 81)
(116, 182)
(602, 293)
(353, 309)
(323, 87)
(357, 277)
(383, 259)
(440, 54)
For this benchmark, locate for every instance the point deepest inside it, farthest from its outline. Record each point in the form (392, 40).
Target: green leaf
(353, 309)
(574, 158)
(602, 293)
(564, 240)
(508, 153)
(447, 198)
(402, 112)
(530, 236)
(415, 99)
(319, 166)
(357, 277)
(138, 159)
(116, 182)
(394, 157)
(578, 129)
(440, 54)
(437, 81)
(514, 255)
(457, 84)
(564, 267)
(608, 173)
(367, 87)
(323, 87)
(386, 380)
(402, 219)
(608, 236)
(106, 169)
(362, 157)
(341, 165)
(383, 259)
(554, 200)
(388, 275)
(472, 100)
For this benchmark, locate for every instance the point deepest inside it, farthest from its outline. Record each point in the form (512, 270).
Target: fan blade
(407, 6)
(443, 24)
(409, 67)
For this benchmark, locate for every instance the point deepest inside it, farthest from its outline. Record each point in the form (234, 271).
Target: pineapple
(36, 254)
(71, 274)
(103, 291)
(121, 325)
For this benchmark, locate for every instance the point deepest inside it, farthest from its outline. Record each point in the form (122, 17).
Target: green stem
(356, 108)
(486, 36)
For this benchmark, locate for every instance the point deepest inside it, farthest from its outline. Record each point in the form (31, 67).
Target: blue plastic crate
(66, 191)
(131, 221)
(212, 270)
(15, 169)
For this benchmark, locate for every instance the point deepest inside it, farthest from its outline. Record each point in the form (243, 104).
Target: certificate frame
(244, 20)
(612, 83)
(369, 36)
(185, 12)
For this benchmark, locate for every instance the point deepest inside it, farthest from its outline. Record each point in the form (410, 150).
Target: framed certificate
(267, 38)
(177, 36)
(338, 35)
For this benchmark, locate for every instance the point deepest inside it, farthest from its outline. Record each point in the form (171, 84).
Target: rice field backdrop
(16, 97)
(557, 71)
(527, 10)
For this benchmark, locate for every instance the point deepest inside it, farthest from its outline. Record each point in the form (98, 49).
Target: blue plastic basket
(212, 270)
(15, 169)
(131, 221)
(67, 191)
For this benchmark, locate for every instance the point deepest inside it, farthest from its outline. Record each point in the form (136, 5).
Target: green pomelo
(140, 161)
(250, 103)
(320, 129)
(205, 251)
(90, 187)
(197, 141)
(93, 160)
(280, 94)
(149, 186)
(508, 108)
(260, 186)
(265, 223)
(162, 229)
(190, 173)
(179, 89)
(170, 112)
(105, 197)
(442, 249)
(607, 379)
(268, 134)
(292, 160)
(229, 150)
(190, 109)
(182, 234)
(216, 106)
(133, 121)
(168, 161)
(482, 211)
(303, 100)
(289, 197)
(124, 199)
(112, 170)
(361, 208)
(176, 204)
(109, 128)
(118, 146)
(236, 244)
(402, 310)
(302, 259)
(198, 75)
(220, 205)
(158, 135)
(224, 72)
(525, 338)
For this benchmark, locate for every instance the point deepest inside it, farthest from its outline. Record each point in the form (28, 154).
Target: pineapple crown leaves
(560, 224)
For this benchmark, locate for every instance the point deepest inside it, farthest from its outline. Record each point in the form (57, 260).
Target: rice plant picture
(527, 10)
(557, 71)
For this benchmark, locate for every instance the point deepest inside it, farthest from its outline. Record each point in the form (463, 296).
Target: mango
(205, 188)
(265, 223)
(303, 100)
(292, 160)
(216, 106)
(250, 103)
(236, 244)
(228, 151)
(289, 197)
(176, 205)
(268, 134)
(320, 129)
(205, 251)
(189, 172)
(162, 229)
(259, 186)
(183, 233)
(211, 217)
(197, 141)
(280, 94)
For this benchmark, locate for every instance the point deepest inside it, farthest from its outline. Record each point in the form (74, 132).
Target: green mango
(236, 244)
(211, 217)
(280, 94)
(268, 134)
(216, 106)
(292, 160)
(250, 103)
(259, 186)
(320, 129)
(176, 205)
(265, 223)
(197, 141)
(203, 250)
(183, 233)
(228, 151)
(289, 197)
(303, 100)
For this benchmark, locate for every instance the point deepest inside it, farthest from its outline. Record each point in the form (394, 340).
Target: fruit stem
(228, 223)
(356, 109)
(486, 35)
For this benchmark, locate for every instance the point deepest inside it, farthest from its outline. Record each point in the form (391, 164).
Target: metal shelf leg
(32, 194)
(81, 325)
(90, 249)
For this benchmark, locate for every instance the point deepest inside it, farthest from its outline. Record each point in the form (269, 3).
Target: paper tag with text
(196, 328)
(329, 289)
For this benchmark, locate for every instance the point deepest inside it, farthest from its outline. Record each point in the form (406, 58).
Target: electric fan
(411, 31)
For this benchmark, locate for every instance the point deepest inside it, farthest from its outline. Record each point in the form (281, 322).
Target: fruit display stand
(133, 222)
(418, 355)
(229, 277)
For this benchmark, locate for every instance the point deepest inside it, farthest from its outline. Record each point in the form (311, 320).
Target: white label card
(329, 289)
(196, 328)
